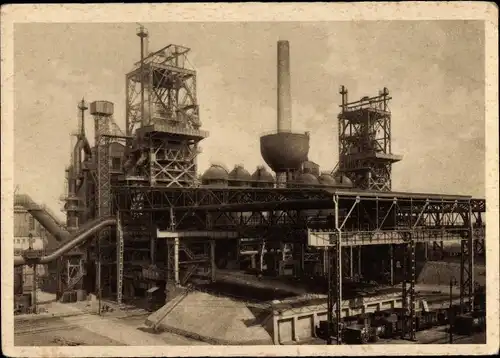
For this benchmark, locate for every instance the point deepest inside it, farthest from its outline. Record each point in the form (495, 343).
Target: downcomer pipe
(45, 218)
(284, 94)
(77, 239)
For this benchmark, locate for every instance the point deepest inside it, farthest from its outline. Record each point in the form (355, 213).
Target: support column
(409, 303)
(302, 259)
(335, 281)
(359, 261)
(351, 262)
(413, 303)
(212, 260)
(34, 298)
(404, 292)
(335, 290)
(470, 245)
(326, 263)
(391, 253)
(177, 281)
(58, 278)
(338, 286)
(98, 274)
(261, 255)
(152, 248)
(119, 258)
(330, 300)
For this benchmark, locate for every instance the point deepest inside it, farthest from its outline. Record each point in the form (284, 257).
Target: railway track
(52, 324)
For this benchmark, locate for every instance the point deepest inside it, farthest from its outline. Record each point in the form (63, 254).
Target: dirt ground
(72, 336)
(90, 330)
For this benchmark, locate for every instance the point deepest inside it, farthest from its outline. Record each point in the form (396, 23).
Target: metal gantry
(403, 220)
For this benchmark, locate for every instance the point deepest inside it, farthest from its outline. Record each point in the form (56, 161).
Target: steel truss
(411, 220)
(107, 250)
(170, 90)
(365, 141)
(162, 110)
(71, 273)
(353, 218)
(239, 210)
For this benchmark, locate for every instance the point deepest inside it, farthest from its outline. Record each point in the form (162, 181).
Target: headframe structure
(162, 115)
(365, 154)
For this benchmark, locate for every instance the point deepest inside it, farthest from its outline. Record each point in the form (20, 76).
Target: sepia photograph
(239, 182)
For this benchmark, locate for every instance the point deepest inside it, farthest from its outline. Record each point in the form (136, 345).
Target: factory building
(28, 234)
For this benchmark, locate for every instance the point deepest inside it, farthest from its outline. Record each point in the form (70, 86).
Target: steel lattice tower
(162, 114)
(365, 141)
(102, 112)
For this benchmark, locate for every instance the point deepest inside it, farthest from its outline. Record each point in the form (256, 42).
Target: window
(116, 163)
(31, 223)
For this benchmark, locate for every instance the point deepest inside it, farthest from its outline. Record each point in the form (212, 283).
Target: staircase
(191, 268)
(74, 281)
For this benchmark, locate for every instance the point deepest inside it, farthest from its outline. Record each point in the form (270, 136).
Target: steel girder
(378, 219)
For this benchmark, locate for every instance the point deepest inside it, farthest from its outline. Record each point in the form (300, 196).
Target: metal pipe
(284, 94)
(77, 158)
(72, 202)
(75, 241)
(142, 80)
(44, 217)
(142, 34)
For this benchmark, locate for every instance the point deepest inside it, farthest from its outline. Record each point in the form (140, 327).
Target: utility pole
(34, 302)
(329, 331)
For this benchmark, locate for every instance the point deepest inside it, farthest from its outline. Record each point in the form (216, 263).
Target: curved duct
(86, 146)
(78, 238)
(44, 217)
(82, 143)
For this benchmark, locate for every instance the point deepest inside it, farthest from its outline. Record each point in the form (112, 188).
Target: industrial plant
(332, 256)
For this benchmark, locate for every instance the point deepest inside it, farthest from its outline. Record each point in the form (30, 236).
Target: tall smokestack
(284, 95)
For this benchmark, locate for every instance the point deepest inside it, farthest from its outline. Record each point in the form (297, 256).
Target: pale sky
(434, 71)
